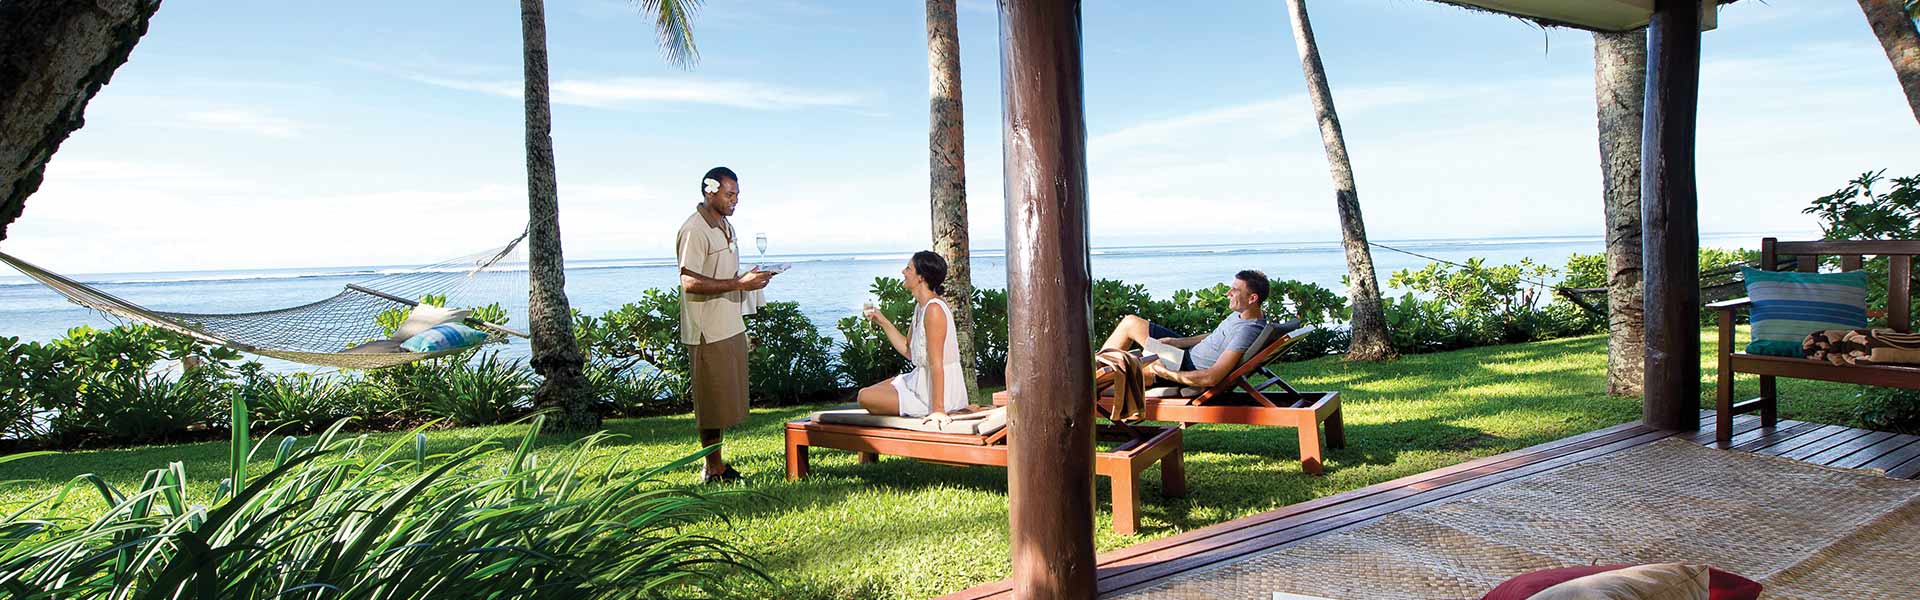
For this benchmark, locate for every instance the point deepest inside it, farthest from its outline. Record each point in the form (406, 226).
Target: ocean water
(827, 286)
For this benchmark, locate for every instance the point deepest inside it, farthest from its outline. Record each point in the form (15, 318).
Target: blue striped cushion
(1789, 305)
(444, 337)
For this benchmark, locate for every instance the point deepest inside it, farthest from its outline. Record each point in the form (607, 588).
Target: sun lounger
(981, 440)
(1237, 400)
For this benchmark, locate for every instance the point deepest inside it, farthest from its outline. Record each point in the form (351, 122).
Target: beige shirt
(711, 252)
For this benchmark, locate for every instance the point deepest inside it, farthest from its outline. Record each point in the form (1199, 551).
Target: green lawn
(905, 529)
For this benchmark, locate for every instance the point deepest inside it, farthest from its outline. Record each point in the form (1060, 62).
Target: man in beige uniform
(711, 324)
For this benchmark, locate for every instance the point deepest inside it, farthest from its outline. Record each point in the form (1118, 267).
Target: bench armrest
(1727, 305)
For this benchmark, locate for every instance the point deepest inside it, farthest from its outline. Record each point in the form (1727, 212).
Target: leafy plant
(789, 361)
(483, 391)
(344, 518)
(301, 401)
(1890, 409)
(990, 335)
(630, 393)
(1857, 212)
(866, 356)
(645, 331)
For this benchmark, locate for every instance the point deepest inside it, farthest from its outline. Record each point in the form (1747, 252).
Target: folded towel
(1129, 383)
(1857, 346)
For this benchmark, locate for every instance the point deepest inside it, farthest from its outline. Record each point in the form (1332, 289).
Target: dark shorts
(1156, 331)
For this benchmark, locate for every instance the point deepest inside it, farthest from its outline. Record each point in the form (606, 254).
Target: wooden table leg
(1173, 475)
(1126, 502)
(1309, 445)
(1336, 430)
(796, 460)
(867, 458)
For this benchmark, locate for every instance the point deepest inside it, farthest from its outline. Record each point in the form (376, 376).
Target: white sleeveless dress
(915, 387)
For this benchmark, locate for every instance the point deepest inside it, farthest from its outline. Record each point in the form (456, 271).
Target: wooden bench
(1900, 255)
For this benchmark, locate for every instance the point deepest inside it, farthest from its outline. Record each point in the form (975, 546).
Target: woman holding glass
(934, 388)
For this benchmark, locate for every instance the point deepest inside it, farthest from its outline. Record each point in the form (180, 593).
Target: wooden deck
(1132, 568)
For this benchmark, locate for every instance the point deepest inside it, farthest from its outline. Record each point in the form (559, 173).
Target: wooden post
(1669, 209)
(1049, 295)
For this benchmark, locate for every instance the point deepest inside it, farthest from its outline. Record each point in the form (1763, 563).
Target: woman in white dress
(932, 346)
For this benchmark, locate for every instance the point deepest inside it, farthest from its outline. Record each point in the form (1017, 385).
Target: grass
(901, 528)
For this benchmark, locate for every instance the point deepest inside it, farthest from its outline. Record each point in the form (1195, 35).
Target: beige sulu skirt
(720, 382)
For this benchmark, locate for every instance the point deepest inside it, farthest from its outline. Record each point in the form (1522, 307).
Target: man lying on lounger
(1206, 359)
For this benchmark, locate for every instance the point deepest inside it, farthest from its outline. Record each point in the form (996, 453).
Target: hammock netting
(321, 332)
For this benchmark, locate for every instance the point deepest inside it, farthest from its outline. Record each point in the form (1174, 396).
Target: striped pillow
(1789, 305)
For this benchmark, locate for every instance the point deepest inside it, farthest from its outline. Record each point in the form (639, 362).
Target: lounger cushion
(1174, 391)
(985, 424)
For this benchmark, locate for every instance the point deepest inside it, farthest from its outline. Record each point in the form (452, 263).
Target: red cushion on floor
(1721, 585)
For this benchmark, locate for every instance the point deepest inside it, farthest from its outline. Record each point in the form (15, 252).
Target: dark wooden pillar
(1050, 464)
(1670, 221)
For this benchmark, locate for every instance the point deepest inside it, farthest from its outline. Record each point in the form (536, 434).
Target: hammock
(318, 333)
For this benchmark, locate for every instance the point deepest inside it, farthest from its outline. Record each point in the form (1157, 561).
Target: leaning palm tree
(948, 173)
(1370, 340)
(1620, 91)
(556, 357)
(1892, 23)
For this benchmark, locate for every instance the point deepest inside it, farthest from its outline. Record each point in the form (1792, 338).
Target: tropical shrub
(18, 409)
(1858, 212)
(93, 384)
(1890, 409)
(647, 331)
(348, 518)
(790, 360)
(483, 391)
(866, 357)
(301, 402)
(990, 335)
(631, 392)
(1449, 307)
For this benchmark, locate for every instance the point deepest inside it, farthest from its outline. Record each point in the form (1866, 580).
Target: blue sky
(268, 134)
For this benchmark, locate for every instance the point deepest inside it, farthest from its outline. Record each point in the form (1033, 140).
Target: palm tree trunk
(556, 357)
(58, 54)
(1370, 339)
(1620, 90)
(1894, 27)
(948, 168)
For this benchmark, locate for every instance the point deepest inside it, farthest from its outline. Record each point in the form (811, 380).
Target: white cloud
(242, 121)
(622, 92)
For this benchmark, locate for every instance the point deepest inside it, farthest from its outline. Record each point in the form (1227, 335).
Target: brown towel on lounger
(1857, 346)
(1129, 385)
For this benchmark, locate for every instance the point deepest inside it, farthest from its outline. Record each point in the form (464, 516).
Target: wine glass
(760, 241)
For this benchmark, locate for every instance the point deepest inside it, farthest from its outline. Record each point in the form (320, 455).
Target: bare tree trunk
(54, 56)
(1620, 91)
(1895, 29)
(947, 147)
(556, 356)
(1370, 339)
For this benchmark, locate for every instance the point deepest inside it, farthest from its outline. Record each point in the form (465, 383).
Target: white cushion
(427, 316)
(1671, 581)
(1174, 391)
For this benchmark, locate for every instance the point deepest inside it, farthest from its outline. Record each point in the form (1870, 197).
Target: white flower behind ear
(712, 185)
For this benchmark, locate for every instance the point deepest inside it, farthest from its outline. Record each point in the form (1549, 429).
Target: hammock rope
(318, 333)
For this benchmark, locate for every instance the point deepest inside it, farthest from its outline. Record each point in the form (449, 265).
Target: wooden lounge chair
(1237, 400)
(983, 442)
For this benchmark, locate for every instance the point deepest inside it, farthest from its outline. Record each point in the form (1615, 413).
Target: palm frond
(673, 22)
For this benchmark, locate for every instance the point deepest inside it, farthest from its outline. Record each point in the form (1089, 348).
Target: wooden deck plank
(1879, 449)
(1777, 436)
(1906, 470)
(1834, 454)
(1782, 434)
(1847, 435)
(1824, 432)
(1137, 567)
(1359, 499)
(1893, 459)
(1305, 526)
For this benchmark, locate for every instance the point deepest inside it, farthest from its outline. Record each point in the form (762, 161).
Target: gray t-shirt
(1233, 334)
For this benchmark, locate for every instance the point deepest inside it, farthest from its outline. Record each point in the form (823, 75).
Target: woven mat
(1803, 531)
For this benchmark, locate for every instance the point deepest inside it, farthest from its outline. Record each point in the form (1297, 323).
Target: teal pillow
(1788, 305)
(444, 337)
